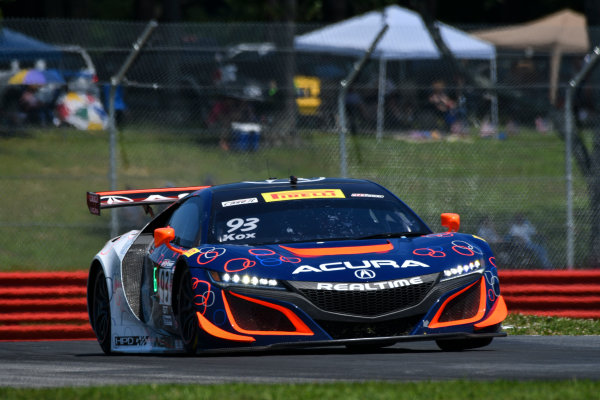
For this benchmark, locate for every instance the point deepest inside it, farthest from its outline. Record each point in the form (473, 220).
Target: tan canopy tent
(564, 32)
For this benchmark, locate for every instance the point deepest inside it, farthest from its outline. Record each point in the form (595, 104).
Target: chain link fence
(218, 103)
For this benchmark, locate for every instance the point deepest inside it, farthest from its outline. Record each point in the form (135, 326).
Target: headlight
(245, 280)
(474, 267)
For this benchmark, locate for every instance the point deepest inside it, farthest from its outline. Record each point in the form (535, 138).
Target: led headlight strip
(248, 280)
(476, 266)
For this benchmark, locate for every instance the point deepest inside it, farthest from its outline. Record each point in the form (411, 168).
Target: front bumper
(266, 318)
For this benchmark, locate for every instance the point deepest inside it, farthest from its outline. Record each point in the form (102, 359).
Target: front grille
(368, 303)
(354, 330)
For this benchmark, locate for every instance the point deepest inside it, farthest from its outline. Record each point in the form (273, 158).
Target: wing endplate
(98, 201)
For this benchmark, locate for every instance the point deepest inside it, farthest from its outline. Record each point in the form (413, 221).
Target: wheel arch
(99, 311)
(94, 267)
(180, 266)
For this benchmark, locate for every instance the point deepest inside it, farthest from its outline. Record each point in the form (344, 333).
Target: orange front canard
(497, 315)
(214, 330)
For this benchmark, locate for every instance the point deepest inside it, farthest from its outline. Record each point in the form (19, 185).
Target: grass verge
(451, 390)
(45, 225)
(518, 324)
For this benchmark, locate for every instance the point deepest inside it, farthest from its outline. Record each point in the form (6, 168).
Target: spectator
(524, 233)
(11, 115)
(219, 119)
(30, 104)
(447, 108)
(224, 112)
(487, 230)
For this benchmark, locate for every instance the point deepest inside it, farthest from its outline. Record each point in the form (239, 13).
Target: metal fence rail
(215, 103)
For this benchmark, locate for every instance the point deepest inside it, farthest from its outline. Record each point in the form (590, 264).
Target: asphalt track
(81, 363)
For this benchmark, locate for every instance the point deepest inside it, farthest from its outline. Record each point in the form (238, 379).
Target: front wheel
(463, 344)
(99, 305)
(186, 313)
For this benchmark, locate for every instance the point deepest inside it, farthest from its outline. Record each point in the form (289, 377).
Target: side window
(186, 221)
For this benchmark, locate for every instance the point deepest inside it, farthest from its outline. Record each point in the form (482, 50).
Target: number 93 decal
(240, 228)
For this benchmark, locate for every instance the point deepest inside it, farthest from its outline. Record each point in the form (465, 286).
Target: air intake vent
(133, 264)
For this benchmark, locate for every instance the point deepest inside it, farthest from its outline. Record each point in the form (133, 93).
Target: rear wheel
(463, 344)
(186, 313)
(100, 309)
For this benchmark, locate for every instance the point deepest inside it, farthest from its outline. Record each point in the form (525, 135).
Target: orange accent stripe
(337, 251)
(435, 320)
(214, 330)
(301, 328)
(497, 315)
(171, 189)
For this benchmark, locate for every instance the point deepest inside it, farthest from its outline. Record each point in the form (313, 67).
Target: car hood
(340, 261)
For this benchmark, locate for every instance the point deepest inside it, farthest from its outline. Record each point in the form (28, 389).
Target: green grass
(518, 324)
(44, 222)
(451, 390)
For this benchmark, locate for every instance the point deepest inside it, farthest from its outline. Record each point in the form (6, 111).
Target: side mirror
(451, 221)
(165, 236)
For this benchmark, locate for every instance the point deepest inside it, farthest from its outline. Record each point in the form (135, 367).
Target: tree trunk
(335, 10)
(144, 10)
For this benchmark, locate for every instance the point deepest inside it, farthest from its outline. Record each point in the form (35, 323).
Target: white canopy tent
(406, 39)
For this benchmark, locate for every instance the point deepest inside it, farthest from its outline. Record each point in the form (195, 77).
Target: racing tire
(187, 319)
(463, 344)
(100, 318)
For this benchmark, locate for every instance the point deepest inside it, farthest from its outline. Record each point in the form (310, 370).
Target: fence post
(381, 98)
(345, 84)
(115, 80)
(569, 126)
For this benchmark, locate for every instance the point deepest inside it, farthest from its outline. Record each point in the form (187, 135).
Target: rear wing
(97, 201)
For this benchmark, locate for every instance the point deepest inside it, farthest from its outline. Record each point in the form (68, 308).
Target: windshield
(342, 215)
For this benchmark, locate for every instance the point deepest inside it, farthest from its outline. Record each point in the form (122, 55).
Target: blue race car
(288, 263)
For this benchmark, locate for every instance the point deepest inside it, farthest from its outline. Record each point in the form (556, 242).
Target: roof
(279, 183)
(566, 30)
(16, 45)
(406, 38)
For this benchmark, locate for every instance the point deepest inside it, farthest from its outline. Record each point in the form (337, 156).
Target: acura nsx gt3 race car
(288, 263)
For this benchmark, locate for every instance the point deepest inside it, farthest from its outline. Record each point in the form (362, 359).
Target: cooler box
(245, 136)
